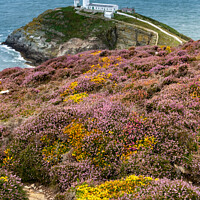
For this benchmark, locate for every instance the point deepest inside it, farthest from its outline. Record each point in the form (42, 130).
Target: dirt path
(33, 195)
(38, 193)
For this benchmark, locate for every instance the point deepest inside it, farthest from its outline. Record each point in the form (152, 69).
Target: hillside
(67, 31)
(112, 124)
(161, 25)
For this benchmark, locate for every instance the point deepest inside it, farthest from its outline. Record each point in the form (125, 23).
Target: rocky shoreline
(32, 49)
(37, 53)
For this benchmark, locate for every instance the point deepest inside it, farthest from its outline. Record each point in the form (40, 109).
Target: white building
(76, 3)
(103, 7)
(86, 3)
(108, 9)
(108, 14)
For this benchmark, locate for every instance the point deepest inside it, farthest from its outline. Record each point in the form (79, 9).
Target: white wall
(96, 7)
(108, 15)
(86, 3)
(76, 3)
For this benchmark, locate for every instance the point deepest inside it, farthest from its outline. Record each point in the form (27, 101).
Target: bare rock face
(33, 46)
(132, 35)
(77, 45)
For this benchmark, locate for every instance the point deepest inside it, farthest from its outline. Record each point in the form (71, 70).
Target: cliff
(66, 31)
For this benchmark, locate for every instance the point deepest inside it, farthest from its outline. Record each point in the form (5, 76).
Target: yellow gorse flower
(105, 62)
(100, 78)
(195, 93)
(167, 48)
(76, 98)
(4, 178)
(70, 89)
(112, 189)
(76, 132)
(147, 142)
(72, 93)
(7, 160)
(96, 53)
(53, 153)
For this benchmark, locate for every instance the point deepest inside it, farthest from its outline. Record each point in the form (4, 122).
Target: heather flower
(114, 114)
(11, 186)
(167, 189)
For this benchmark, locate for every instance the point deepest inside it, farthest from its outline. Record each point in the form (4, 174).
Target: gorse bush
(112, 189)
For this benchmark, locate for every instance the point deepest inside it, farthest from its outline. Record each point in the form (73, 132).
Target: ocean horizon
(182, 15)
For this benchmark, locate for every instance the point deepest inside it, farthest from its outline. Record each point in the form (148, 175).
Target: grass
(162, 25)
(163, 38)
(63, 24)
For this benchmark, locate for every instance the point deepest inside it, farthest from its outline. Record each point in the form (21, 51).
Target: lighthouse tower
(86, 3)
(76, 3)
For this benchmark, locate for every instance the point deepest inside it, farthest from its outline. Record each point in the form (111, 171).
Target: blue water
(183, 15)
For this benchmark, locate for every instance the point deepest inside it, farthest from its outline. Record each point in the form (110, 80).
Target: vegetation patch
(63, 24)
(161, 25)
(11, 186)
(164, 39)
(105, 124)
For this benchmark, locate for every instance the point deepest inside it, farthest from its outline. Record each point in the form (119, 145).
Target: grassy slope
(63, 24)
(163, 38)
(162, 25)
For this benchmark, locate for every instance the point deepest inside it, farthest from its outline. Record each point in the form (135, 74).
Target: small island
(76, 29)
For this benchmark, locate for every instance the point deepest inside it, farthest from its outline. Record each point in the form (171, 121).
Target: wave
(19, 57)
(7, 47)
(11, 58)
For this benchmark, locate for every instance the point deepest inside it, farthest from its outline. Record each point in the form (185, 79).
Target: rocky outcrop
(33, 46)
(76, 45)
(132, 35)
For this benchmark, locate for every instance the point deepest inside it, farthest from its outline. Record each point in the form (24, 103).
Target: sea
(183, 15)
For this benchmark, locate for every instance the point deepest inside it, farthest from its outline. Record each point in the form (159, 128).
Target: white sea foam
(7, 47)
(30, 66)
(19, 57)
(11, 58)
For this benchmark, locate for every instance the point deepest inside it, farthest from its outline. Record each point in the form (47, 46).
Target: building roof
(102, 5)
(128, 9)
